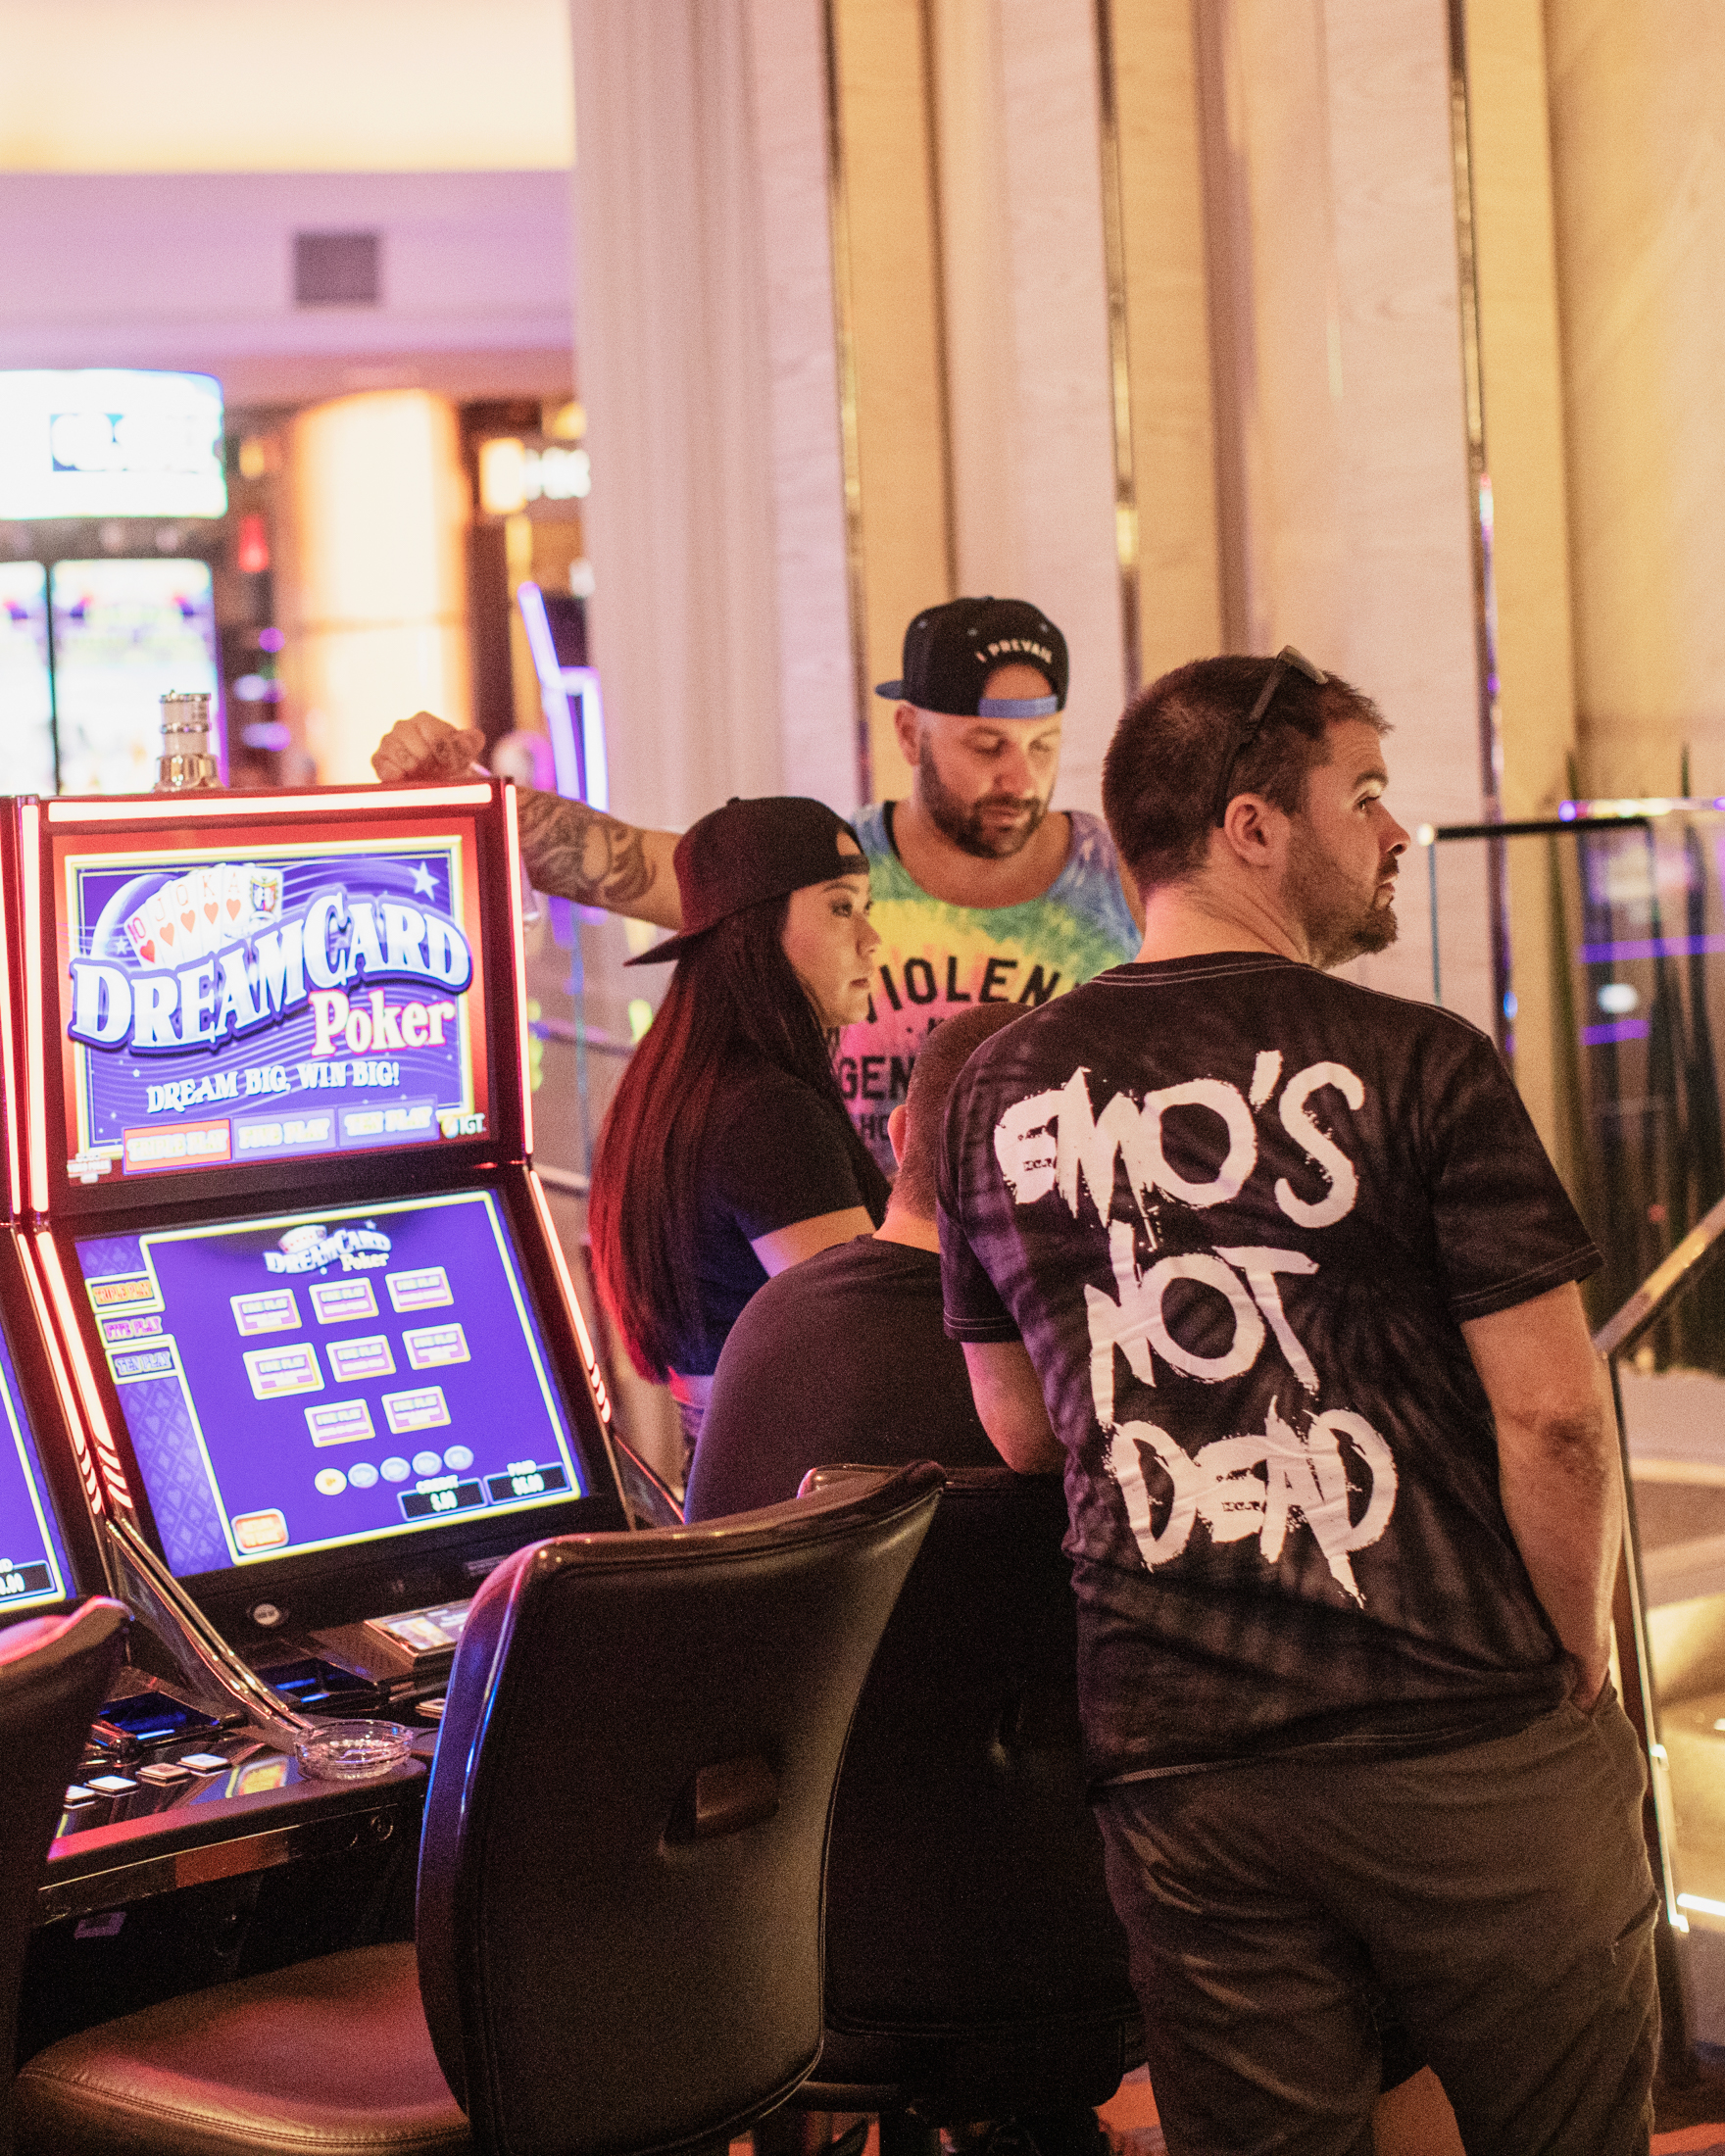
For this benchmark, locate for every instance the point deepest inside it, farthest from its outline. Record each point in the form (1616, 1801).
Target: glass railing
(1665, 1352)
(1615, 1010)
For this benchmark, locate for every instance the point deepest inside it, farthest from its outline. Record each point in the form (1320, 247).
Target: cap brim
(672, 948)
(894, 689)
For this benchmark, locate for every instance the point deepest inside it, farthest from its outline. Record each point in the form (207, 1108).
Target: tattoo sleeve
(577, 853)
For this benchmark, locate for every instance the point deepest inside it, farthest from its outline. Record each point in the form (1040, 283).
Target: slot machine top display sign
(110, 442)
(230, 992)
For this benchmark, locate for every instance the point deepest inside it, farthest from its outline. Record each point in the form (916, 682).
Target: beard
(1339, 922)
(963, 823)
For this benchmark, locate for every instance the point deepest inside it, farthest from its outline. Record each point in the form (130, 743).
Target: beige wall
(285, 86)
(1638, 117)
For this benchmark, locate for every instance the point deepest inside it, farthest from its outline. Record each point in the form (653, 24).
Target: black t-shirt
(1237, 1210)
(842, 1358)
(774, 1152)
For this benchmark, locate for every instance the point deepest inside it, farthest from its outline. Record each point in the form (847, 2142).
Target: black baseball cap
(748, 852)
(951, 650)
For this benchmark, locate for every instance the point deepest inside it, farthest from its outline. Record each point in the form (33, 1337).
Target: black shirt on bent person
(1238, 1211)
(774, 1152)
(840, 1359)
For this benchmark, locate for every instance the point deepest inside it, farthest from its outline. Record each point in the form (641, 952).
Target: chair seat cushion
(329, 2058)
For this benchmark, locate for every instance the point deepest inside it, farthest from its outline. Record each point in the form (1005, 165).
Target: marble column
(708, 366)
(371, 573)
(1521, 364)
(892, 326)
(1342, 458)
(1027, 337)
(1170, 382)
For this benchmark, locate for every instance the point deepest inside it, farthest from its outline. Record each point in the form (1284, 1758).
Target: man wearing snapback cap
(980, 892)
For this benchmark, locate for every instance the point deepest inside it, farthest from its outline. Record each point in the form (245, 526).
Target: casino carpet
(1415, 2121)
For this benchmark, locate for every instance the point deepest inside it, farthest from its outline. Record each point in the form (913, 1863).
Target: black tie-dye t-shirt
(1238, 1210)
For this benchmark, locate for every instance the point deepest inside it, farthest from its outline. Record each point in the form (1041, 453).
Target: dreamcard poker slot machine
(185, 1818)
(322, 1341)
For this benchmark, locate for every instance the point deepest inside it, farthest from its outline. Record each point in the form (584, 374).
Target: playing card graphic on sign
(289, 1003)
(196, 914)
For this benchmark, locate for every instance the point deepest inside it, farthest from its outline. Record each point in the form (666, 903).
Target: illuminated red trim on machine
(512, 850)
(583, 1339)
(65, 1311)
(69, 1405)
(174, 808)
(36, 1069)
(9, 1063)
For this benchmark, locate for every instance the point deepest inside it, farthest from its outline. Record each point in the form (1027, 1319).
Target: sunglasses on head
(1286, 660)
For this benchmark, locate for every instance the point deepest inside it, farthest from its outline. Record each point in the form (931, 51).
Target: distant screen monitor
(326, 1379)
(33, 1571)
(110, 442)
(126, 634)
(26, 702)
(252, 1003)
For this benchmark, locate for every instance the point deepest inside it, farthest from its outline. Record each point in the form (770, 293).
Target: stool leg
(787, 2131)
(903, 2136)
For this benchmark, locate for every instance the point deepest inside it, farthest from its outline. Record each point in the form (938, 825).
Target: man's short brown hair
(943, 1056)
(1166, 762)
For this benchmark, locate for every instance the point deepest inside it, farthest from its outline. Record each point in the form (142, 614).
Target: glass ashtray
(353, 1752)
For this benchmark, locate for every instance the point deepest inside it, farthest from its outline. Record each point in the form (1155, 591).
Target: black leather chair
(619, 1923)
(54, 1675)
(974, 1965)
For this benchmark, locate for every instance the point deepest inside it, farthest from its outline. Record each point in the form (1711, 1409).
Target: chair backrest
(972, 1955)
(54, 1675)
(620, 1907)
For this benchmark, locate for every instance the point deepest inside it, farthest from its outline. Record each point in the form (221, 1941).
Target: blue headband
(1018, 707)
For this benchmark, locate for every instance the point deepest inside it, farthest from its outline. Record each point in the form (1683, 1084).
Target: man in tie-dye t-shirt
(980, 893)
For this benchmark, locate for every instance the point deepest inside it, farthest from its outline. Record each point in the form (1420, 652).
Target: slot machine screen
(326, 1379)
(226, 1000)
(33, 1572)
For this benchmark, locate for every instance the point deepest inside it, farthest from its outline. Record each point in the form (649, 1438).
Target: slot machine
(320, 1337)
(50, 1498)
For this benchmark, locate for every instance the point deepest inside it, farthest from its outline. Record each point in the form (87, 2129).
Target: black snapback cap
(748, 852)
(951, 650)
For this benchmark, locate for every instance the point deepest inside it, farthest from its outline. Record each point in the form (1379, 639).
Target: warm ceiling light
(567, 421)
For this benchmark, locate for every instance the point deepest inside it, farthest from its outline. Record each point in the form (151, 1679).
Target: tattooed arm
(579, 854)
(571, 850)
